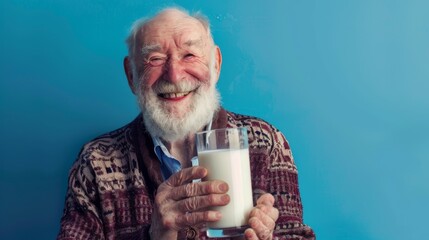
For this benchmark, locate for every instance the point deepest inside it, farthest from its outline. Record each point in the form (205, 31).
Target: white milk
(233, 167)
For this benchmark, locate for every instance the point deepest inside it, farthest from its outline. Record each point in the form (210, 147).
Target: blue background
(346, 81)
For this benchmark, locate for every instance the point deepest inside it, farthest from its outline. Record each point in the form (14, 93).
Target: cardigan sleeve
(80, 218)
(283, 184)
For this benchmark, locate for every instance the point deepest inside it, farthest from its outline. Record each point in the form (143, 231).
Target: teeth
(174, 95)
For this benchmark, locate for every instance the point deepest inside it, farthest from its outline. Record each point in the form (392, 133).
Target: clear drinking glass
(225, 154)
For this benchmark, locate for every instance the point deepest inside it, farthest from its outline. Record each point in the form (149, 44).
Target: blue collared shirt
(169, 164)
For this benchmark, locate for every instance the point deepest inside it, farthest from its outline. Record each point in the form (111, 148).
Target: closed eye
(189, 56)
(156, 61)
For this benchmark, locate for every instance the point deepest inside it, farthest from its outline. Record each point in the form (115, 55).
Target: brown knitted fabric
(114, 179)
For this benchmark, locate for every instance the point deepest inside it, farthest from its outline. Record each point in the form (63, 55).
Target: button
(191, 233)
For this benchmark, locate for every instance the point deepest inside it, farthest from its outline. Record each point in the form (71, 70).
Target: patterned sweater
(113, 182)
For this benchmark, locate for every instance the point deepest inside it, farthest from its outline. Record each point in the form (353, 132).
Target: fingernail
(214, 216)
(248, 233)
(223, 187)
(202, 171)
(225, 198)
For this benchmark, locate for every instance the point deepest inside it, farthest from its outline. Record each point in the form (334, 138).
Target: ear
(218, 61)
(129, 73)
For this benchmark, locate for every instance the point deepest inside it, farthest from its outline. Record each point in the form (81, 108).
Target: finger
(186, 175)
(270, 211)
(194, 218)
(266, 219)
(262, 232)
(266, 203)
(250, 234)
(266, 199)
(200, 202)
(199, 188)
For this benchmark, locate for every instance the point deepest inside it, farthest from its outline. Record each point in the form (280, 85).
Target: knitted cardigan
(112, 183)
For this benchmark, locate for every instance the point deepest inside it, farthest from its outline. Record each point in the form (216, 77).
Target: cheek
(150, 75)
(200, 72)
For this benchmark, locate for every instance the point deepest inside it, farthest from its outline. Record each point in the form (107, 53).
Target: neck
(182, 149)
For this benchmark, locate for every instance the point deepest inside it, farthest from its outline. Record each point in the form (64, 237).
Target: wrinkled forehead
(181, 29)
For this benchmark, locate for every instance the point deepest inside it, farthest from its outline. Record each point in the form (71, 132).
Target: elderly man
(136, 182)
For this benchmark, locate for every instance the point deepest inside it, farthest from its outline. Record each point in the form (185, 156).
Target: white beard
(174, 124)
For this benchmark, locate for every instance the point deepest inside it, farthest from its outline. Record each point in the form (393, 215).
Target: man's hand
(262, 219)
(180, 203)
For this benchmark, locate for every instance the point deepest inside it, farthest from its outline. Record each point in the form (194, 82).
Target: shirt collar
(158, 144)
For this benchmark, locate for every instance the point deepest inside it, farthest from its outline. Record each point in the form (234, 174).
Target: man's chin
(178, 114)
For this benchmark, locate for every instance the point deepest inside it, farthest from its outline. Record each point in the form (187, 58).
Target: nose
(174, 70)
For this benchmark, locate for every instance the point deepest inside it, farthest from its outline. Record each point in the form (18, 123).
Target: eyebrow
(194, 42)
(146, 49)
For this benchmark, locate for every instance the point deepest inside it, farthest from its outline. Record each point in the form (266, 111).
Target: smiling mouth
(175, 96)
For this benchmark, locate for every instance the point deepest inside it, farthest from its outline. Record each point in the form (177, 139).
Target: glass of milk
(225, 154)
